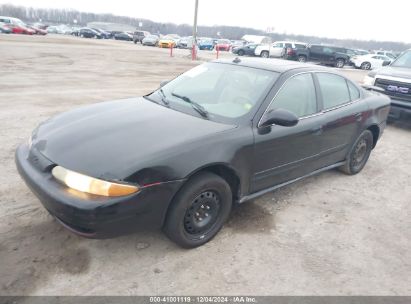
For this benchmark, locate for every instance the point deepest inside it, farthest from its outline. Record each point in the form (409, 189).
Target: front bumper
(92, 215)
(400, 110)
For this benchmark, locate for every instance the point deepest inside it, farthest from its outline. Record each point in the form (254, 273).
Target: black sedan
(123, 36)
(89, 33)
(247, 50)
(220, 134)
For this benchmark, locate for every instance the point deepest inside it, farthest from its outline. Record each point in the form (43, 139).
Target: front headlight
(91, 185)
(368, 80)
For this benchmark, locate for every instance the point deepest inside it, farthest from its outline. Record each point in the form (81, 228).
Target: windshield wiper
(163, 97)
(196, 106)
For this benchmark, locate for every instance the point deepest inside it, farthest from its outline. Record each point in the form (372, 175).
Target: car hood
(113, 140)
(394, 72)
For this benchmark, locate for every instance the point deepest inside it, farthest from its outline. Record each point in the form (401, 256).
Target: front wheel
(366, 66)
(340, 63)
(240, 53)
(359, 154)
(199, 210)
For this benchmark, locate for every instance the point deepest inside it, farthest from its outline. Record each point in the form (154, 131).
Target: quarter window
(334, 90)
(354, 92)
(297, 96)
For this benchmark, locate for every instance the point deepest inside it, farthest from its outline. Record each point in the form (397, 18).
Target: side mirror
(279, 117)
(163, 83)
(385, 63)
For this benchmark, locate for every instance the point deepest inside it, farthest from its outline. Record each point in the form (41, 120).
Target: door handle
(358, 116)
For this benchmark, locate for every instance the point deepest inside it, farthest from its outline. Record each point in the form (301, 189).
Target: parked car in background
(167, 42)
(185, 42)
(279, 49)
(87, 32)
(238, 43)
(386, 53)
(324, 54)
(5, 28)
(54, 30)
(247, 50)
(291, 48)
(370, 61)
(223, 45)
(395, 81)
(104, 34)
(17, 26)
(123, 36)
(37, 30)
(268, 124)
(151, 40)
(206, 44)
(138, 36)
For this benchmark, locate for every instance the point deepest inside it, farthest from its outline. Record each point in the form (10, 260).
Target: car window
(297, 95)
(334, 90)
(225, 91)
(354, 92)
(328, 50)
(300, 46)
(376, 57)
(278, 45)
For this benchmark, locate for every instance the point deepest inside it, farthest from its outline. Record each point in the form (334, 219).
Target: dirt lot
(327, 235)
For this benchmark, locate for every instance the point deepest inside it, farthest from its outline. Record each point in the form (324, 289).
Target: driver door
(284, 153)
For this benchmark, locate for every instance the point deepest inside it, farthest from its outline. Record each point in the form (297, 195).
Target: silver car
(150, 40)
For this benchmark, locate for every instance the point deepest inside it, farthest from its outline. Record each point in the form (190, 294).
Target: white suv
(277, 49)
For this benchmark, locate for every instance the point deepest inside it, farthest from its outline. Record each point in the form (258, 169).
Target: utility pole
(194, 48)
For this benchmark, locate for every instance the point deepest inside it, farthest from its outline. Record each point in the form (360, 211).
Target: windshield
(404, 61)
(224, 91)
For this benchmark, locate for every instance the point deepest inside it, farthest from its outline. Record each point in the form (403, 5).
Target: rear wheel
(265, 54)
(240, 53)
(366, 66)
(302, 58)
(359, 154)
(199, 210)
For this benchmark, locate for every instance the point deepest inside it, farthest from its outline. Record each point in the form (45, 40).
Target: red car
(37, 31)
(17, 26)
(223, 45)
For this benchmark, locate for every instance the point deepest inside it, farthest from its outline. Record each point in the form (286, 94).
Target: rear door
(285, 153)
(343, 114)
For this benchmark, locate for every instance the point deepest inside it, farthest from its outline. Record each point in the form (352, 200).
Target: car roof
(275, 65)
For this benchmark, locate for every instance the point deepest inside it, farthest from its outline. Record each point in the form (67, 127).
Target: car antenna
(236, 60)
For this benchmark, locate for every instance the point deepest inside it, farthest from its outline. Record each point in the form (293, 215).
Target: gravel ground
(327, 235)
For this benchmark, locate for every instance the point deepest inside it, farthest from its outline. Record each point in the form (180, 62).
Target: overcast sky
(358, 19)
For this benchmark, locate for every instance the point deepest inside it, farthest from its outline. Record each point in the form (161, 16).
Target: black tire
(302, 58)
(199, 210)
(366, 66)
(340, 63)
(359, 154)
(265, 54)
(241, 53)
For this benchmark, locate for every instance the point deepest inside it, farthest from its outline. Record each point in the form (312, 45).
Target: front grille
(386, 84)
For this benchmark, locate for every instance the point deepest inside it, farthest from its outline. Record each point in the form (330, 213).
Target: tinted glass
(297, 95)
(334, 90)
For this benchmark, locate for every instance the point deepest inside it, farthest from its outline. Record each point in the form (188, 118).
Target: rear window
(300, 46)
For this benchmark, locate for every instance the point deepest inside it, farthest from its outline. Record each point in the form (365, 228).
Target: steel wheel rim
(360, 153)
(202, 214)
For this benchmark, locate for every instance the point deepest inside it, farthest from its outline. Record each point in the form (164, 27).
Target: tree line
(72, 17)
